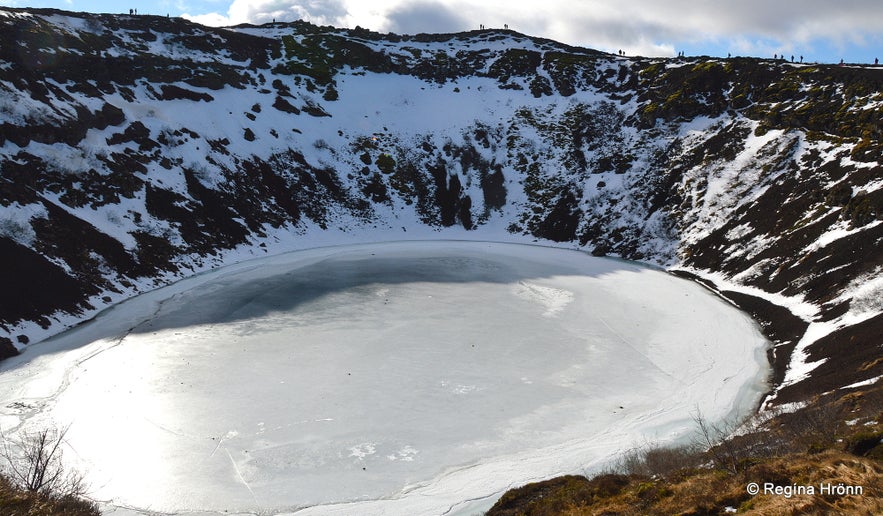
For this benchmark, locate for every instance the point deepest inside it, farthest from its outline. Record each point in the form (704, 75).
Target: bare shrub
(664, 461)
(34, 463)
(659, 461)
(732, 445)
(713, 437)
(756, 437)
(814, 427)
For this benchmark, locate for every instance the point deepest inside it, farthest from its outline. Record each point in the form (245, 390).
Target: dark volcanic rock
(848, 356)
(34, 286)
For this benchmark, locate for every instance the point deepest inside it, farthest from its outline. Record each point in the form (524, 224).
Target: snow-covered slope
(137, 150)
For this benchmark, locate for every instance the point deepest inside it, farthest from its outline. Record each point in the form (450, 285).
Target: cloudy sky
(820, 30)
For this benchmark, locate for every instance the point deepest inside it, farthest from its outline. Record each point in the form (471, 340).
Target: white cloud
(320, 12)
(646, 27)
(210, 19)
(425, 16)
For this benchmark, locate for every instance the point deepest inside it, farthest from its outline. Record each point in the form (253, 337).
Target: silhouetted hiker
(775, 56)
(792, 59)
(729, 55)
(801, 59)
(506, 26)
(841, 62)
(131, 11)
(876, 61)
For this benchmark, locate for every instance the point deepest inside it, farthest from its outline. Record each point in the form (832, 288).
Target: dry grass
(706, 492)
(16, 502)
(811, 448)
(833, 468)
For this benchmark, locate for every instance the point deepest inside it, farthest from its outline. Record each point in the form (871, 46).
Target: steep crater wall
(138, 150)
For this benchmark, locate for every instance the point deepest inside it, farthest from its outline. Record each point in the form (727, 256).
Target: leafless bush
(731, 445)
(654, 460)
(734, 445)
(663, 461)
(815, 426)
(716, 439)
(34, 463)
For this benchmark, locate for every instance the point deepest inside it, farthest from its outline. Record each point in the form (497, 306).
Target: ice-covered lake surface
(399, 378)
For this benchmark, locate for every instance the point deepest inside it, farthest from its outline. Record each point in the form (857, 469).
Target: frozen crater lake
(400, 378)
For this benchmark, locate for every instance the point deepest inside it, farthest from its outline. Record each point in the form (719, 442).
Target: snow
(865, 383)
(21, 109)
(799, 367)
(401, 111)
(449, 371)
(841, 229)
(799, 307)
(865, 294)
(72, 24)
(15, 221)
(729, 184)
(8, 14)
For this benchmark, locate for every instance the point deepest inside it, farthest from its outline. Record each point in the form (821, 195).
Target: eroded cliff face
(135, 150)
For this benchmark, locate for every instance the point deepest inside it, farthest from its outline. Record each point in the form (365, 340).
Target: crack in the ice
(239, 474)
(629, 344)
